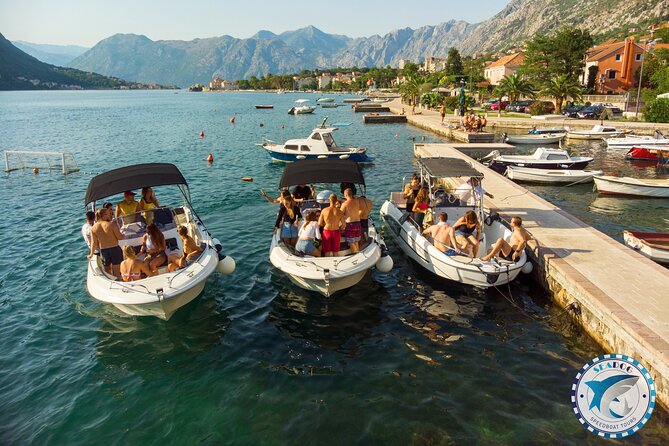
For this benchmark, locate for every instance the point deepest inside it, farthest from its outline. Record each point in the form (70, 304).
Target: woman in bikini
(466, 232)
(154, 246)
(148, 202)
(421, 205)
(286, 221)
(131, 268)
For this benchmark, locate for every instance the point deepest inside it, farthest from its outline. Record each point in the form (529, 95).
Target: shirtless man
(441, 234)
(351, 210)
(332, 220)
(105, 235)
(512, 249)
(365, 209)
(189, 253)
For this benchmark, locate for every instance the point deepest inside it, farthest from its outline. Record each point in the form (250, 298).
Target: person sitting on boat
(331, 220)
(410, 192)
(472, 188)
(148, 202)
(365, 209)
(307, 234)
(512, 249)
(286, 220)
(128, 206)
(441, 234)
(189, 252)
(466, 233)
(301, 192)
(131, 268)
(351, 209)
(154, 245)
(421, 205)
(105, 235)
(86, 228)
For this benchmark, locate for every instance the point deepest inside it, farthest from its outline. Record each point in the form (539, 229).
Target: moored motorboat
(440, 175)
(328, 275)
(536, 131)
(596, 132)
(301, 109)
(329, 105)
(642, 153)
(650, 188)
(550, 176)
(320, 144)
(654, 245)
(540, 138)
(321, 100)
(265, 106)
(162, 294)
(542, 158)
(631, 141)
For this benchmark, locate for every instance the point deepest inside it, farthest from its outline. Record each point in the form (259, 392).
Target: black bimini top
(449, 167)
(132, 177)
(326, 170)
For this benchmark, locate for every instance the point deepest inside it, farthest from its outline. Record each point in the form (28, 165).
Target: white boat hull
(655, 254)
(632, 186)
(546, 138)
(593, 135)
(459, 268)
(326, 275)
(630, 142)
(551, 176)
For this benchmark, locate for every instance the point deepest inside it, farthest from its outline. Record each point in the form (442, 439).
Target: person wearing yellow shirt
(148, 202)
(128, 206)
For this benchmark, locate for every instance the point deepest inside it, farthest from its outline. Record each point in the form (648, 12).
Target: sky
(86, 22)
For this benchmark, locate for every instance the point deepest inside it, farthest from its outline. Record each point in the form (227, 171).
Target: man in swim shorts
(351, 210)
(105, 235)
(332, 220)
(365, 209)
(511, 250)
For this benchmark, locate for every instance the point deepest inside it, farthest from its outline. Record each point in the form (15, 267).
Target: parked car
(519, 106)
(494, 105)
(592, 112)
(548, 106)
(572, 110)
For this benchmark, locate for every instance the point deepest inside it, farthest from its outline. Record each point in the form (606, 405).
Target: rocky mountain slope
(183, 63)
(59, 55)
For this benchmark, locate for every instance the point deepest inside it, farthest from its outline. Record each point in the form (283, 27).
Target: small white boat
(354, 100)
(301, 109)
(458, 268)
(329, 105)
(321, 100)
(165, 293)
(328, 275)
(596, 132)
(654, 245)
(542, 138)
(632, 186)
(536, 131)
(550, 176)
(630, 141)
(379, 100)
(542, 158)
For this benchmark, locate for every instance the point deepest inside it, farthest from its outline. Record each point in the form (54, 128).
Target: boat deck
(622, 296)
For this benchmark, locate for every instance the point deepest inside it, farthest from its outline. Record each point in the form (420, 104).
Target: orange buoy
(202, 134)
(210, 158)
(247, 179)
(35, 170)
(232, 120)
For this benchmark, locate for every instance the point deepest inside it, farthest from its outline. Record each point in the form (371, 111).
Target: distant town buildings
(300, 82)
(433, 64)
(221, 84)
(324, 80)
(402, 63)
(504, 66)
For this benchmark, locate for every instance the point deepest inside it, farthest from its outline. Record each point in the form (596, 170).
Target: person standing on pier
(442, 112)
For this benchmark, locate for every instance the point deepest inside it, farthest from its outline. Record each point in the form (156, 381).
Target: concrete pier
(618, 296)
(473, 150)
(383, 119)
(464, 136)
(370, 108)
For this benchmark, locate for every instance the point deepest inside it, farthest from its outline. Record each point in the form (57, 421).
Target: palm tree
(516, 86)
(562, 87)
(410, 88)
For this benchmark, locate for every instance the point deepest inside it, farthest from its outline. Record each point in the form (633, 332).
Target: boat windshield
(329, 141)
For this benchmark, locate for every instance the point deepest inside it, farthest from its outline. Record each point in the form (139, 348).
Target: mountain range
(182, 63)
(59, 55)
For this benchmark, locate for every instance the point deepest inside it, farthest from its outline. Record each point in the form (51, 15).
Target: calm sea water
(402, 358)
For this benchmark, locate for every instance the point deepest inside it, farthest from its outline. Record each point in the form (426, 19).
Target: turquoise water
(402, 358)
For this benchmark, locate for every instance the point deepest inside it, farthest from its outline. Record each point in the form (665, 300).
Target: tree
(454, 65)
(561, 53)
(410, 88)
(515, 85)
(410, 69)
(592, 77)
(562, 87)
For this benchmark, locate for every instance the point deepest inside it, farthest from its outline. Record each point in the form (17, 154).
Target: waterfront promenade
(618, 296)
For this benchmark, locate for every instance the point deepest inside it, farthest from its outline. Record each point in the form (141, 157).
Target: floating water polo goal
(24, 159)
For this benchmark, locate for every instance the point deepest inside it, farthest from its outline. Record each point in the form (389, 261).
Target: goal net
(23, 159)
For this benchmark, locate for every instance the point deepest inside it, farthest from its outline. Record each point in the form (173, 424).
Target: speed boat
(165, 293)
(542, 158)
(596, 132)
(531, 138)
(551, 176)
(630, 141)
(321, 100)
(320, 144)
(327, 275)
(637, 187)
(441, 176)
(302, 109)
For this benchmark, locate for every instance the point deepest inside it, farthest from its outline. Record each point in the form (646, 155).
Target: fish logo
(613, 396)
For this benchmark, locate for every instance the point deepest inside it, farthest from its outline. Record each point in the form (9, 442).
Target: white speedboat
(550, 176)
(628, 142)
(541, 138)
(554, 130)
(654, 245)
(165, 293)
(302, 109)
(320, 144)
(542, 158)
(327, 275)
(441, 174)
(596, 132)
(321, 100)
(637, 187)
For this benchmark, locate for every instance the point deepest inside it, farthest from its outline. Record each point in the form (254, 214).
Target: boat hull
(283, 156)
(594, 136)
(630, 187)
(460, 269)
(655, 246)
(551, 176)
(535, 139)
(501, 165)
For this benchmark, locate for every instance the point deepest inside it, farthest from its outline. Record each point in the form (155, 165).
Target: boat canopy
(449, 167)
(132, 177)
(326, 170)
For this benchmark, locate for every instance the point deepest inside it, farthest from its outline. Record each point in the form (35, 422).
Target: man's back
(351, 209)
(365, 207)
(107, 233)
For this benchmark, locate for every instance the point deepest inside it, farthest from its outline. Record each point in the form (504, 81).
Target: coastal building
(503, 66)
(399, 80)
(433, 64)
(303, 82)
(219, 83)
(402, 63)
(324, 80)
